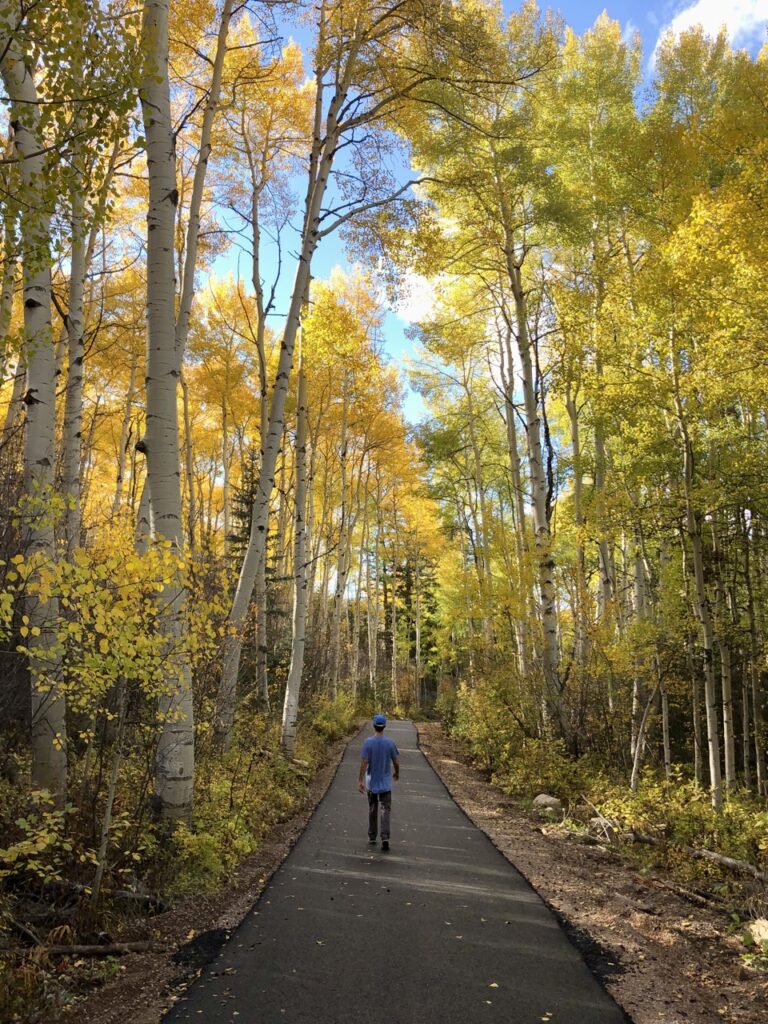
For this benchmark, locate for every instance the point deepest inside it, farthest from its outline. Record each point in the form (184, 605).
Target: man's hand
(361, 786)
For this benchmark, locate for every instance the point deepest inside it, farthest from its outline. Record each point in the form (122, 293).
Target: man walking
(378, 765)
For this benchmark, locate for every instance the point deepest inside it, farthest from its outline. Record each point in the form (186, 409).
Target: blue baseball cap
(379, 719)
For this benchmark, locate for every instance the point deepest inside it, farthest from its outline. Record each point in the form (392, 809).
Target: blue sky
(747, 25)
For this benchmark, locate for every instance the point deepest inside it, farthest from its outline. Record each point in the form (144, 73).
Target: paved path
(440, 930)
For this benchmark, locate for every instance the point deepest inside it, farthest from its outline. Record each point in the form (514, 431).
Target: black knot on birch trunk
(141, 446)
(29, 398)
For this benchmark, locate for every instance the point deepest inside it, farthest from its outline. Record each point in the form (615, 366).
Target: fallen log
(699, 854)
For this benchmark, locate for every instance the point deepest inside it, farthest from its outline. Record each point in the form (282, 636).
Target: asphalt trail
(440, 930)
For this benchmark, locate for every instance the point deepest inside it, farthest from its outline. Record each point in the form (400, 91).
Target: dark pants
(374, 799)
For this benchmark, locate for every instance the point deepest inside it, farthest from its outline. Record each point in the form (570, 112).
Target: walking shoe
(385, 845)
(372, 842)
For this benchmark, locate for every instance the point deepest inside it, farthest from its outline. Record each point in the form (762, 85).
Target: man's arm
(361, 775)
(395, 769)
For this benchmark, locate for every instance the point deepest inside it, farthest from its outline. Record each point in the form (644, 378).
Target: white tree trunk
(542, 538)
(521, 530)
(49, 733)
(301, 589)
(125, 426)
(9, 276)
(704, 616)
(174, 768)
(341, 551)
(726, 672)
(73, 403)
(198, 184)
(320, 168)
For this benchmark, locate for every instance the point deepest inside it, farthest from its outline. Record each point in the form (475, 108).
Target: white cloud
(417, 300)
(744, 20)
(629, 31)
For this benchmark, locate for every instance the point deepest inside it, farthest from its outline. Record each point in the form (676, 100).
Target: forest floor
(665, 957)
(186, 938)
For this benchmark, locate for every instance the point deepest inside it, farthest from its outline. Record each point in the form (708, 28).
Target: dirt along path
(440, 929)
(666, 959)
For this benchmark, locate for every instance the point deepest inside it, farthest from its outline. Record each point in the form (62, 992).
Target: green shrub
(482, 717)
(539, 766)
(331, 719)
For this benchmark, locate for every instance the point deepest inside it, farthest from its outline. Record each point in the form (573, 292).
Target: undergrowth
(48, 858)
(676, 811)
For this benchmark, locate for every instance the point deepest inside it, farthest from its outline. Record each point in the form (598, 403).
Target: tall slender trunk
(540, 505)
(581, 630)
(341, 551)
(321, 162)
(637, 761)
(8, 282)
(484, 574)
(189, 467)
(175, 758)
(698, 767)
(395, 555)
(73, 403)
(225, 470)
(198, 184)
(521, 533)
(607, 577)
(374, 606)
(701, 604)
(419, 695)
(726, 666)
(301, 590)
(666, 739)
(754, 665)
(355, 667)
(638, 687)
(15, 403)
(123, 443)
(49, 733)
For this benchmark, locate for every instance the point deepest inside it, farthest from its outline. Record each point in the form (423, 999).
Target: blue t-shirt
(379, 751)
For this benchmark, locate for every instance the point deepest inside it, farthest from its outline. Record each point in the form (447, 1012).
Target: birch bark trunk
(49, 732)
(703, 612)
(341, 554)
(754, 664)
(301, 590)
(726, 666)
(321, 162)
(542, 537)
(189, 467)
(521, 531)
(73, 403)
(198, 184)
(174, 766)
(7, 288)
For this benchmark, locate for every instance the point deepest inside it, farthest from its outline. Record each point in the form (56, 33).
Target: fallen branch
(116, 894)
(113, 949)
(26, 932)
(716, 858)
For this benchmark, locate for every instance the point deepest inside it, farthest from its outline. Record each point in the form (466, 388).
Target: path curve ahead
(440, 930)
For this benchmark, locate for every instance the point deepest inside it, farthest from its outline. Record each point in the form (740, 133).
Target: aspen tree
(175, 759)
(301, 590)
(354, 49)
(49, 731)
